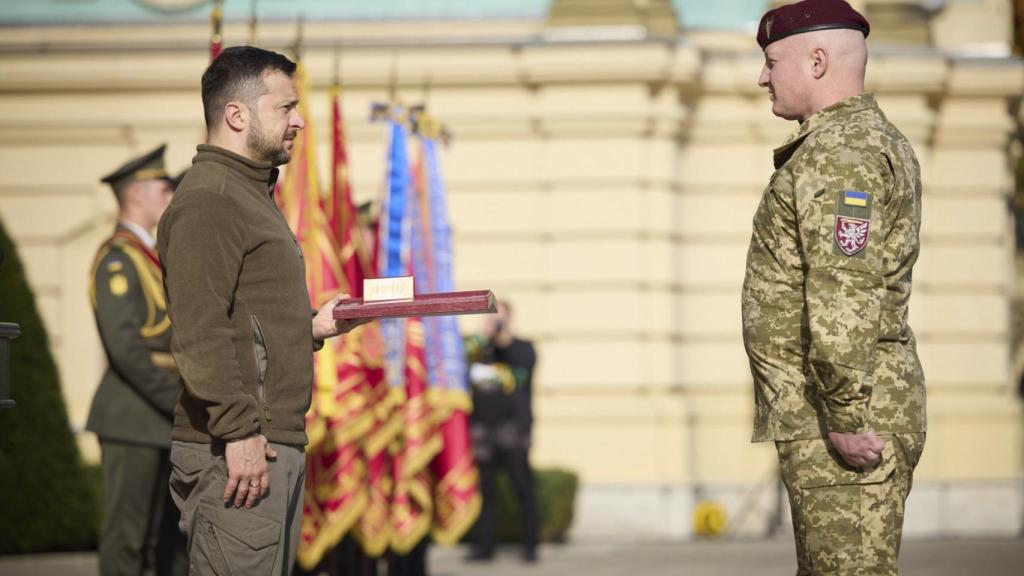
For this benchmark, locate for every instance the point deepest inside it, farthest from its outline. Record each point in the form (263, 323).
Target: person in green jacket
(244, 333)
(134, 404)
(837, 381)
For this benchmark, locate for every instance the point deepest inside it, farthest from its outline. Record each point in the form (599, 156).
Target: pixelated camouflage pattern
(826, 333)
(847, 521)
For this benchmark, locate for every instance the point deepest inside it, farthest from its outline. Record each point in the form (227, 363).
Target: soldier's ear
(126, 193)
(819, 62)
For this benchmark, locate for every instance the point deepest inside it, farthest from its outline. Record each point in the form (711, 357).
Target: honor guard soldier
(133, 408)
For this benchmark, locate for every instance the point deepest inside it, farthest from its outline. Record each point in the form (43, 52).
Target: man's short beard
(265, 150)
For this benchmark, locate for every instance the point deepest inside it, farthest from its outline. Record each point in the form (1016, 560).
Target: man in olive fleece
(244, 334)
(837, 382)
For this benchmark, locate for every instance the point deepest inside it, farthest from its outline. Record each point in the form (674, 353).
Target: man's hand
(324, 324)
(862, 450)
(248, 478)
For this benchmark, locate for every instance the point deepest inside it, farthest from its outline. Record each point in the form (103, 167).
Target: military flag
(405, 365)
(455, 496)
(374, 529)
(412, 501)
(346, 493)
(335, 493)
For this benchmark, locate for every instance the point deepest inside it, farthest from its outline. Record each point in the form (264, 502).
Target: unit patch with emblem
(852, 234)
(853, 224)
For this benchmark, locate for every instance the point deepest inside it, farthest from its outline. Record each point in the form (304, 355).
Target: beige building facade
(604, 182)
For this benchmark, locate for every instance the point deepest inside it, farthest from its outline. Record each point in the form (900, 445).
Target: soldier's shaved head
(808, 72)
(846, 50)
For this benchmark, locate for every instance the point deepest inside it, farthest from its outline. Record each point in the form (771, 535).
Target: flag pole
(216, 21)
(297, 47)
(252, 22)
(393, 81)
(337, 65)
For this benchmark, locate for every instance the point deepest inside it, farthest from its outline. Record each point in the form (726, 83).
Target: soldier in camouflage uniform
(837, 382)
(132, 410)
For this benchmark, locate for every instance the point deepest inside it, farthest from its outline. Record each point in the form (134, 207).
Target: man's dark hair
(237, 74)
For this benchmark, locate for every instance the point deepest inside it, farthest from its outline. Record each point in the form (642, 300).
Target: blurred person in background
(837, 381)
(134, 405)
(501, 369)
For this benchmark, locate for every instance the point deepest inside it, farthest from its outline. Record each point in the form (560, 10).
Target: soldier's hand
(248, 476)
(863, 450)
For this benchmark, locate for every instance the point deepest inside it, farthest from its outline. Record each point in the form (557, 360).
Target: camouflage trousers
(847, 521)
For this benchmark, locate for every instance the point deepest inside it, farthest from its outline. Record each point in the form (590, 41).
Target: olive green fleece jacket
(236, 293)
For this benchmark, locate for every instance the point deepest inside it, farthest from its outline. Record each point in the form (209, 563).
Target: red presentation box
(439, 304)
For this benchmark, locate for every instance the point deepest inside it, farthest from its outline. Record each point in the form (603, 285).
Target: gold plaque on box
(381, 289)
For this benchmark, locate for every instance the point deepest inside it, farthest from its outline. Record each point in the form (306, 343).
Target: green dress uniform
(133, 407)
(824, 304)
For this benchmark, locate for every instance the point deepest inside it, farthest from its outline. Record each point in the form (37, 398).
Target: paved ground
(975, 557)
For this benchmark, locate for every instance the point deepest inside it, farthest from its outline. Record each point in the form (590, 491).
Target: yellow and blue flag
(852, 198)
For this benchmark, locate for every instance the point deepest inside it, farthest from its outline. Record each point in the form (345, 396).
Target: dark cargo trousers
(848, 522)
(228, 541)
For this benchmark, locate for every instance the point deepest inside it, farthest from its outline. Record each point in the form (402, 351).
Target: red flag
(340, 209)
(364, 421)
(336, 470)
(455, 496)
(412, 502)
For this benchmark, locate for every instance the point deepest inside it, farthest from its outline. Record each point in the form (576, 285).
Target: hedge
(556, 504)
(46, 502)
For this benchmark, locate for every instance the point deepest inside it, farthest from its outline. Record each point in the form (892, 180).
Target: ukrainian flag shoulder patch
(853, 198)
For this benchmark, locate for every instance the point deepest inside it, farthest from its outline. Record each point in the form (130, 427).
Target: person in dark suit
(501, 374)
(133, 407)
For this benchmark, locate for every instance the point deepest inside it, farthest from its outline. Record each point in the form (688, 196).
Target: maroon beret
(808, 16)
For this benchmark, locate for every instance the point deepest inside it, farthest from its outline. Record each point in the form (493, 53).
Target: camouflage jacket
(834, 241)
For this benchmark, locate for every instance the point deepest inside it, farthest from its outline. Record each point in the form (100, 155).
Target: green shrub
(556, 499)
(556, 493)
(46, 503)
(94, 479)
